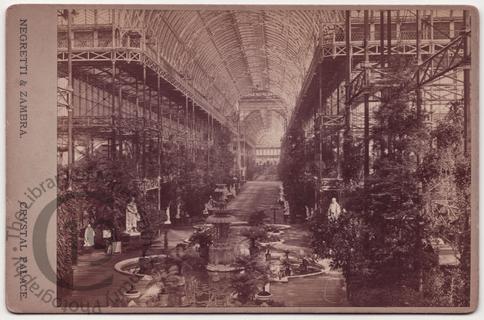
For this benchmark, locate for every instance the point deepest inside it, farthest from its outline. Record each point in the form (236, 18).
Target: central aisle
(325, 290)
(256, 195)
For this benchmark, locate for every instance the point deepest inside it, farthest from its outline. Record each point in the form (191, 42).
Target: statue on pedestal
(89, 235)
(132, 217)
(178, 210)
(205, 209)
(168, 217)
(334, 209)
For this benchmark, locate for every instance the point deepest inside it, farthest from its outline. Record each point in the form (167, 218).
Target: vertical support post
(238, 145)
(113, 28)
(338, 99)
(382, 65)
(212, 132)
(113, 109)
(467, 84)
(120, 105)
(366, 168)
(372, 25)
(143, 147)
(136, 88)
(348, 74)
(95, 39)
(186, 123)
(382, 38)
(320, 136)
(466, 250)
(338, 153)
(418, 37)
(452, 26)
(338, 142)
(70, 140)
(149, 104)
(418, 243)
(148, 128)
(160, 140)
(389, 35)
(244, 164)
(120, 115)
(208, 140)
(389, 55)
(179, 113)
(194, 134)
(135, 139)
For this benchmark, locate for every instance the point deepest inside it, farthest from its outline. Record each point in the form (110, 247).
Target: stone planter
(132, 294)
(163, 299)
(116, 247)
(263, 296)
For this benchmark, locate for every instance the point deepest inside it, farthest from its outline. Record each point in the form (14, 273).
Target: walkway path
(324, 290)
(256, 195)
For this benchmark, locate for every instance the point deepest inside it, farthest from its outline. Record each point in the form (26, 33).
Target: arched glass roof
(227, 54)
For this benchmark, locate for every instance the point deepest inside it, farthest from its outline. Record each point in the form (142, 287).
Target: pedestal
(221, 254)
(131, 240)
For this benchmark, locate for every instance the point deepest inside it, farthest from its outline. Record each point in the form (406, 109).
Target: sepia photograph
(272, 159)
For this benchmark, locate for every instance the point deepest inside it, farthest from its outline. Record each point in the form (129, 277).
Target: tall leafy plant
(446, 175)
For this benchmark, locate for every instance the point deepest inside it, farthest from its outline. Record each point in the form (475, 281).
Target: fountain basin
(222, 268)
(271, 244)
(280, 226)
(123, 266)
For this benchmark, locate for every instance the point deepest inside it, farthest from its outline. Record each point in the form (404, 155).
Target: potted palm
(203, 238)
(254, 234)
(246, 283)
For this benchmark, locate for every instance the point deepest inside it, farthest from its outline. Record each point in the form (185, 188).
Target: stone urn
(263, 296)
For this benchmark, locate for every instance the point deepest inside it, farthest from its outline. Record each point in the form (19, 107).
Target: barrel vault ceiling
(228, 54)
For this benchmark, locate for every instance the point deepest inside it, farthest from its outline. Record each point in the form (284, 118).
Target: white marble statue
(178, 211)
(286, 212)
(132, 217)
(205, 209)
(168, 217)
(89, 234)
(334, 209)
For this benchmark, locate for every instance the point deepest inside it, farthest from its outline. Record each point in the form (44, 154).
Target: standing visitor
(268, 254)
(107, 235)
(308, 214)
